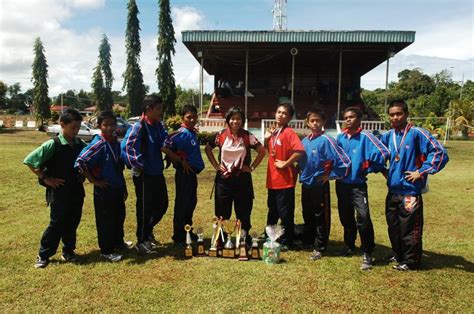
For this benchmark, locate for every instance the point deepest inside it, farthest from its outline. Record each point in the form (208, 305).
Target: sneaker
(316, 255)
(125, 245)
(41, 263)
(144, 249)
(113, 257)
(69, 257)
(348, 252)
(284, 248)
(391, 259)
(401, 267)
(153, 241)
(366, 262)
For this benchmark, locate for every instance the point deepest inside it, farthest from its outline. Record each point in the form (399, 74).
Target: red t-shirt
(282, 145)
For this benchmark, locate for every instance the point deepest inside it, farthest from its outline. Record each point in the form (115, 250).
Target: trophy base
(200, 252)
(188, 252)
(255, 253)
(243, 253)
(212, 253)
(228, 253)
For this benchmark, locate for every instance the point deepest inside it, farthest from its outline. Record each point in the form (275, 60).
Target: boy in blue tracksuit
(367, 155)
(183, 149)
(102, 165)
(414, 154)
(141, 151)
(323, 160)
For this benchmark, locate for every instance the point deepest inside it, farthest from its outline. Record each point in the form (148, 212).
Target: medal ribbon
(275, 139)
(394, 138)
(113, 153)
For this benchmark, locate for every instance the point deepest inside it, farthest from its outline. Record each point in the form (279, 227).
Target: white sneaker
(112, 257)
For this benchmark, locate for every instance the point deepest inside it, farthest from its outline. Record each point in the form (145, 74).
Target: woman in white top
(233, 178)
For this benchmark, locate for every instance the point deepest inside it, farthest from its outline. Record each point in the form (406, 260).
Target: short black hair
(355, 110)
(317, 111)
(106, 114)
(151, 101)
(398, 103)
(232, 111)
(188, 108)
(289, 107)
(70, 115)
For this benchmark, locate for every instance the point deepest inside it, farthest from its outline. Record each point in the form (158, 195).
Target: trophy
(200, 243)
(238, 232)
(229, 249)
(188, 251)
(255, 250)
(243, 246)
(215, 236)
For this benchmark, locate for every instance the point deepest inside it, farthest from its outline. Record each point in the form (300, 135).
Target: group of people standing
(61, 164)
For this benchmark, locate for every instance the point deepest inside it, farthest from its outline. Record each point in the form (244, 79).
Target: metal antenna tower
(279, 15)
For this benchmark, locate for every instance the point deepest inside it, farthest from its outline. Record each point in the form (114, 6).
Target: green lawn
(166, 282)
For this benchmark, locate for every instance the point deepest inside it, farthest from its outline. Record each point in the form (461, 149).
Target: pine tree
(103, 74)
(41, 101)
(133, 77)
(165, 47)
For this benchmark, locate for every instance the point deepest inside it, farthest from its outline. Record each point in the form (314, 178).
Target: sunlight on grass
(166, 282)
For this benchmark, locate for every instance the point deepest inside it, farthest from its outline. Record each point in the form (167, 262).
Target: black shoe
(180, 245)
(126, 245)
(69, 257)
(391, 259)
(366, 262)
(284, 248)
(348, 252)
(144, 248)
(41, 263)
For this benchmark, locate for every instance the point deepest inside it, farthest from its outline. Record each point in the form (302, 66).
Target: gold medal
(397, 157)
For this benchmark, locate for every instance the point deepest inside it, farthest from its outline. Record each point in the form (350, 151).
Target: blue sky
(71, 30)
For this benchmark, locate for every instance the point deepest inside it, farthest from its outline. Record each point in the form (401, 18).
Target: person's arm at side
(282, 164)
(37, 158)
(176, 159)
(260, 155)
(212, 159)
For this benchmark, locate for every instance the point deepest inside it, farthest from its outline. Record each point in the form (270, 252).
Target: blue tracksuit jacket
(323, 155)
(102, 159)
(185, 144)
(366, 152)
(141, 147)
(418, 150)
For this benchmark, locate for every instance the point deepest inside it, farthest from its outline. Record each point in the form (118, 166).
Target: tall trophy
(188, 251)
(243, 254)
(215, 237)
(200, 243)
(238, 232)
(229, 249)
(255, 250)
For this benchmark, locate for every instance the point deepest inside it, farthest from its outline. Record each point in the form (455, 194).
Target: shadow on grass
(430, 260)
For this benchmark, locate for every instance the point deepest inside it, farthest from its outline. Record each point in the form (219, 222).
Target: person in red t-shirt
(284, 148)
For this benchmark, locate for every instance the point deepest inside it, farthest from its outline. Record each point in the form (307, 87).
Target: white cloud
(88, 4)
(453, 38)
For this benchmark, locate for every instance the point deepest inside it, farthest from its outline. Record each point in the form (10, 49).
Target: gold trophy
(215, 237)
(255, 250)
(229, 249)
(200, 243)
(238, 232)
(188, 251)
(243, 254)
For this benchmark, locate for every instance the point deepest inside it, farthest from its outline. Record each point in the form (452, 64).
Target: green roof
(300, 36)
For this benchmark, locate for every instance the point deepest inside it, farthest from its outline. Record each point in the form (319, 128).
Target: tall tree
(41, 101)
(102, 77)
(165, 47)
(133, 77)
(3, 94)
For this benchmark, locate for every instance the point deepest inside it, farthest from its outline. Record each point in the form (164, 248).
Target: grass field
(166, 282)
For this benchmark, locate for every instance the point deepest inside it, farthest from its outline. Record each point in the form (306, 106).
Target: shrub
(206, 137)
(173, 123)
